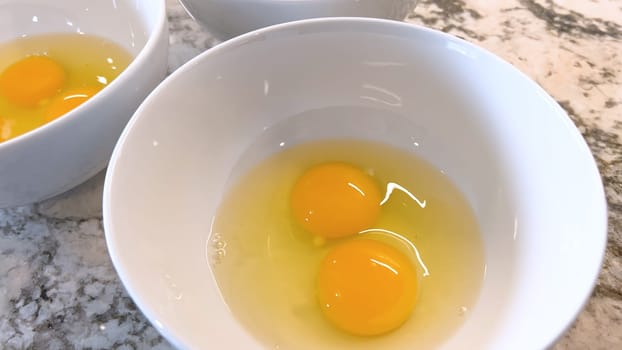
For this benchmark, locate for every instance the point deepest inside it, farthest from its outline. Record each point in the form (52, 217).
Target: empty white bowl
(228, 18)
(509, 147)
(65, 152)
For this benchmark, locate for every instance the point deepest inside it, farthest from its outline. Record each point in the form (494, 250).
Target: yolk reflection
(68, 101)
(366, 287)
(29, 81)
(4, 134)
(334, 200)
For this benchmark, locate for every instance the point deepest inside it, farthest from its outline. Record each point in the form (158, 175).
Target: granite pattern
(58, 289)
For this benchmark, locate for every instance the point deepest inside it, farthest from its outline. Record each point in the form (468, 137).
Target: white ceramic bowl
(228, 18)
(62, 154)
(510, 148)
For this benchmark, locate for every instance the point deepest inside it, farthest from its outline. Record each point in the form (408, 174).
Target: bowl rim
(107, 200)
(150, 46)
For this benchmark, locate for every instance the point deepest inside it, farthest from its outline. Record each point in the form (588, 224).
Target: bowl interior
(119, 21)
(505, 143)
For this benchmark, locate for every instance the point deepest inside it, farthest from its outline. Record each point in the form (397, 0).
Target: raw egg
(69, 100)
(31, 80)
(398, 261)
(335, 199)
(366, 287)
(44, 77)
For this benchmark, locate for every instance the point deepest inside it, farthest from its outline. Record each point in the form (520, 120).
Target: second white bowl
(228, 18)
(65, 152)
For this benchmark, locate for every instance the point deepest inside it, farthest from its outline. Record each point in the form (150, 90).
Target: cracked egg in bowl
(71, 75)
(354, 183)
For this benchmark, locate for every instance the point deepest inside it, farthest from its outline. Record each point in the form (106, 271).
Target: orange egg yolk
(334, 200)
(4, 134)
(68, 101)
(366, 287)
(29, 81)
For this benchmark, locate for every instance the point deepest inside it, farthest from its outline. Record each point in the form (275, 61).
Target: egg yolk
(68, 101)
(4, 134)
(366, 287)
(334, 200)
(29, 81)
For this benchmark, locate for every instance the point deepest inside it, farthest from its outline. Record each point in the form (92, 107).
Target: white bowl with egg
(61, 154)
(228, 18)
(525, 170)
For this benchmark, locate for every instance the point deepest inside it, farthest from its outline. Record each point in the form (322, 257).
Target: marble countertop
(58, 289)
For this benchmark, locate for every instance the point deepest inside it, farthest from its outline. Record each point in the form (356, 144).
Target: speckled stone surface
(58, 289)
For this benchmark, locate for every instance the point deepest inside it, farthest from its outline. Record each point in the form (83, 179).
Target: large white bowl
(509, 147)
(62, 154)
(228, 18)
